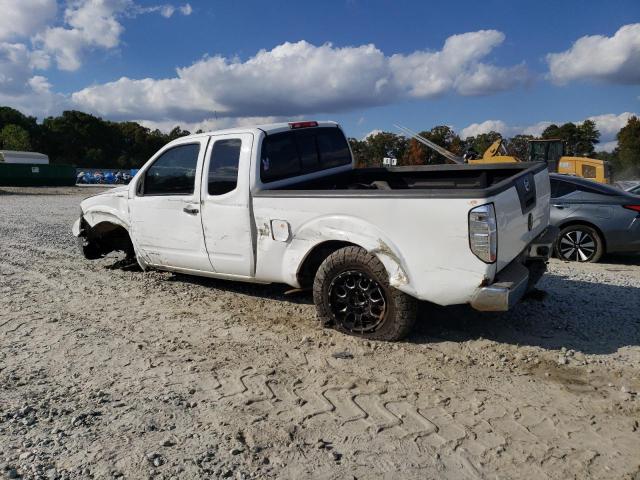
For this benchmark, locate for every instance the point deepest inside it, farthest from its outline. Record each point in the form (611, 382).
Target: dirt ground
(106, 373)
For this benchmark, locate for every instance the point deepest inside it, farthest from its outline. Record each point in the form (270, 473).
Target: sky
(510, 66)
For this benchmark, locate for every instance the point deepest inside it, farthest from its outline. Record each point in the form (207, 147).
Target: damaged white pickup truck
(283, 203)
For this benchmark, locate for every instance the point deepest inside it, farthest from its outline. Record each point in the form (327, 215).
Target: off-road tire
(400, 313)
(598, 249)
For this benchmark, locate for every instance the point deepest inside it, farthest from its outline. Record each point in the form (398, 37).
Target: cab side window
(294, 153)
(223, 166)
(173, 172)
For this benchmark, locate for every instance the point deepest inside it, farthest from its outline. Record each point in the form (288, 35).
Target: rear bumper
(513, 281)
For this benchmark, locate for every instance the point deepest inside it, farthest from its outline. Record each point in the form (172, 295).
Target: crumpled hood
(111, 191)
(115, 197)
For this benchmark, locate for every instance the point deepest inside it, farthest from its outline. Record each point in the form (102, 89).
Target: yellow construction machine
(552, 152)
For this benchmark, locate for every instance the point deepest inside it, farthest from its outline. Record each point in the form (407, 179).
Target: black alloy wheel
(357, 302)
(579, 243)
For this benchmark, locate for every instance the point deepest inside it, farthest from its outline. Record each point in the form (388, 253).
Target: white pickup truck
(283, 203)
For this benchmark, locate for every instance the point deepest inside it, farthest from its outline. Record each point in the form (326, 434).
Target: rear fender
(345, 229)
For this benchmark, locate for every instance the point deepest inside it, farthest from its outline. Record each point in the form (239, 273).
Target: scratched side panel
(422, 242)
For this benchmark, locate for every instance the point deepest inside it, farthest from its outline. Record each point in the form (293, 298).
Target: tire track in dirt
(257, 366)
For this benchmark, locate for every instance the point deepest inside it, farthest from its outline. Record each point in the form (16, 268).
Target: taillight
(293, 125)
(635, 208)
(483, 237)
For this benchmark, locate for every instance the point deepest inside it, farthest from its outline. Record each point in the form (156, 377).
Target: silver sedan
(593, 219)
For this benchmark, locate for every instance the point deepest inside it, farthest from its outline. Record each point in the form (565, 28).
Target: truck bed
(423, 181)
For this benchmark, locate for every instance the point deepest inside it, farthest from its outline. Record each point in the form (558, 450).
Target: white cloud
(372, 133)
(166, 11)
(29, 93)
(19, 87)
(24, 18)
(503, 128)
(485, 79)
(607, 146)
(613, 59)
(298, 78)
(485, 127)
(536, 129)
(87, 24)
(14, 67)
(211, 124)
(90, 24)
(608, 124)
(457, 67)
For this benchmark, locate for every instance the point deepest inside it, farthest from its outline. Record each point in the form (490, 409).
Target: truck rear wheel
(351, 291)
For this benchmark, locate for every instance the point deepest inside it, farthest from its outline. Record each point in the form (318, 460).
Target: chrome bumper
(513, 281)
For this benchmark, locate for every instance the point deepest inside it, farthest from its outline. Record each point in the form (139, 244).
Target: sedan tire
(579, 243)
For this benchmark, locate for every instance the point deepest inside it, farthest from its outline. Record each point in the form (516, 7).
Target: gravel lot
(107, 373)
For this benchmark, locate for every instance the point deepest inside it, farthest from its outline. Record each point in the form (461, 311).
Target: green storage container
(32, 175)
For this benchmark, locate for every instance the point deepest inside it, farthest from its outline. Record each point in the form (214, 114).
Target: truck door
(226, 216)
(165, 209)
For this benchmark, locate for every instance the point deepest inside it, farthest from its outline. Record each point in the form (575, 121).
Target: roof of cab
(268, 128)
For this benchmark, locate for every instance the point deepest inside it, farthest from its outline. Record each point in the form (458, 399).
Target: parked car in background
(593, 219)
(626, 184)
(635, 189)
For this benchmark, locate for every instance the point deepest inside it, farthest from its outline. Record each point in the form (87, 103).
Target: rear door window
(294, 153)
(223, 166)
(279, 158)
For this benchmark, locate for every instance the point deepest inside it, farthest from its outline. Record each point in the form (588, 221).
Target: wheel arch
(314, 258)
(316, 240)
(107, 236)
(94, 217)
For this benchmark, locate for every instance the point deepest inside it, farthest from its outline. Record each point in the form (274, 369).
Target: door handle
(190, 210)
(559, 205)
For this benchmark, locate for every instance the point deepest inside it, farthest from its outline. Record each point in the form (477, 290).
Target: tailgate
(522, 213)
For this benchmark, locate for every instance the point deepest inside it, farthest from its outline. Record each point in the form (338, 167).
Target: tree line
(83, 140)
(580, 140)
(88, 141)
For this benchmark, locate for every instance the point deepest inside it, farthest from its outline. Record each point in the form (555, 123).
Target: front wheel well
(317, 255)
(106, 237)
(587, 224)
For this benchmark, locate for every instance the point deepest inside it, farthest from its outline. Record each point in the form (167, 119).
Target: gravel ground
(107, 373)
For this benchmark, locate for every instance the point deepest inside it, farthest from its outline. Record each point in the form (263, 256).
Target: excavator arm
(453, 158)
